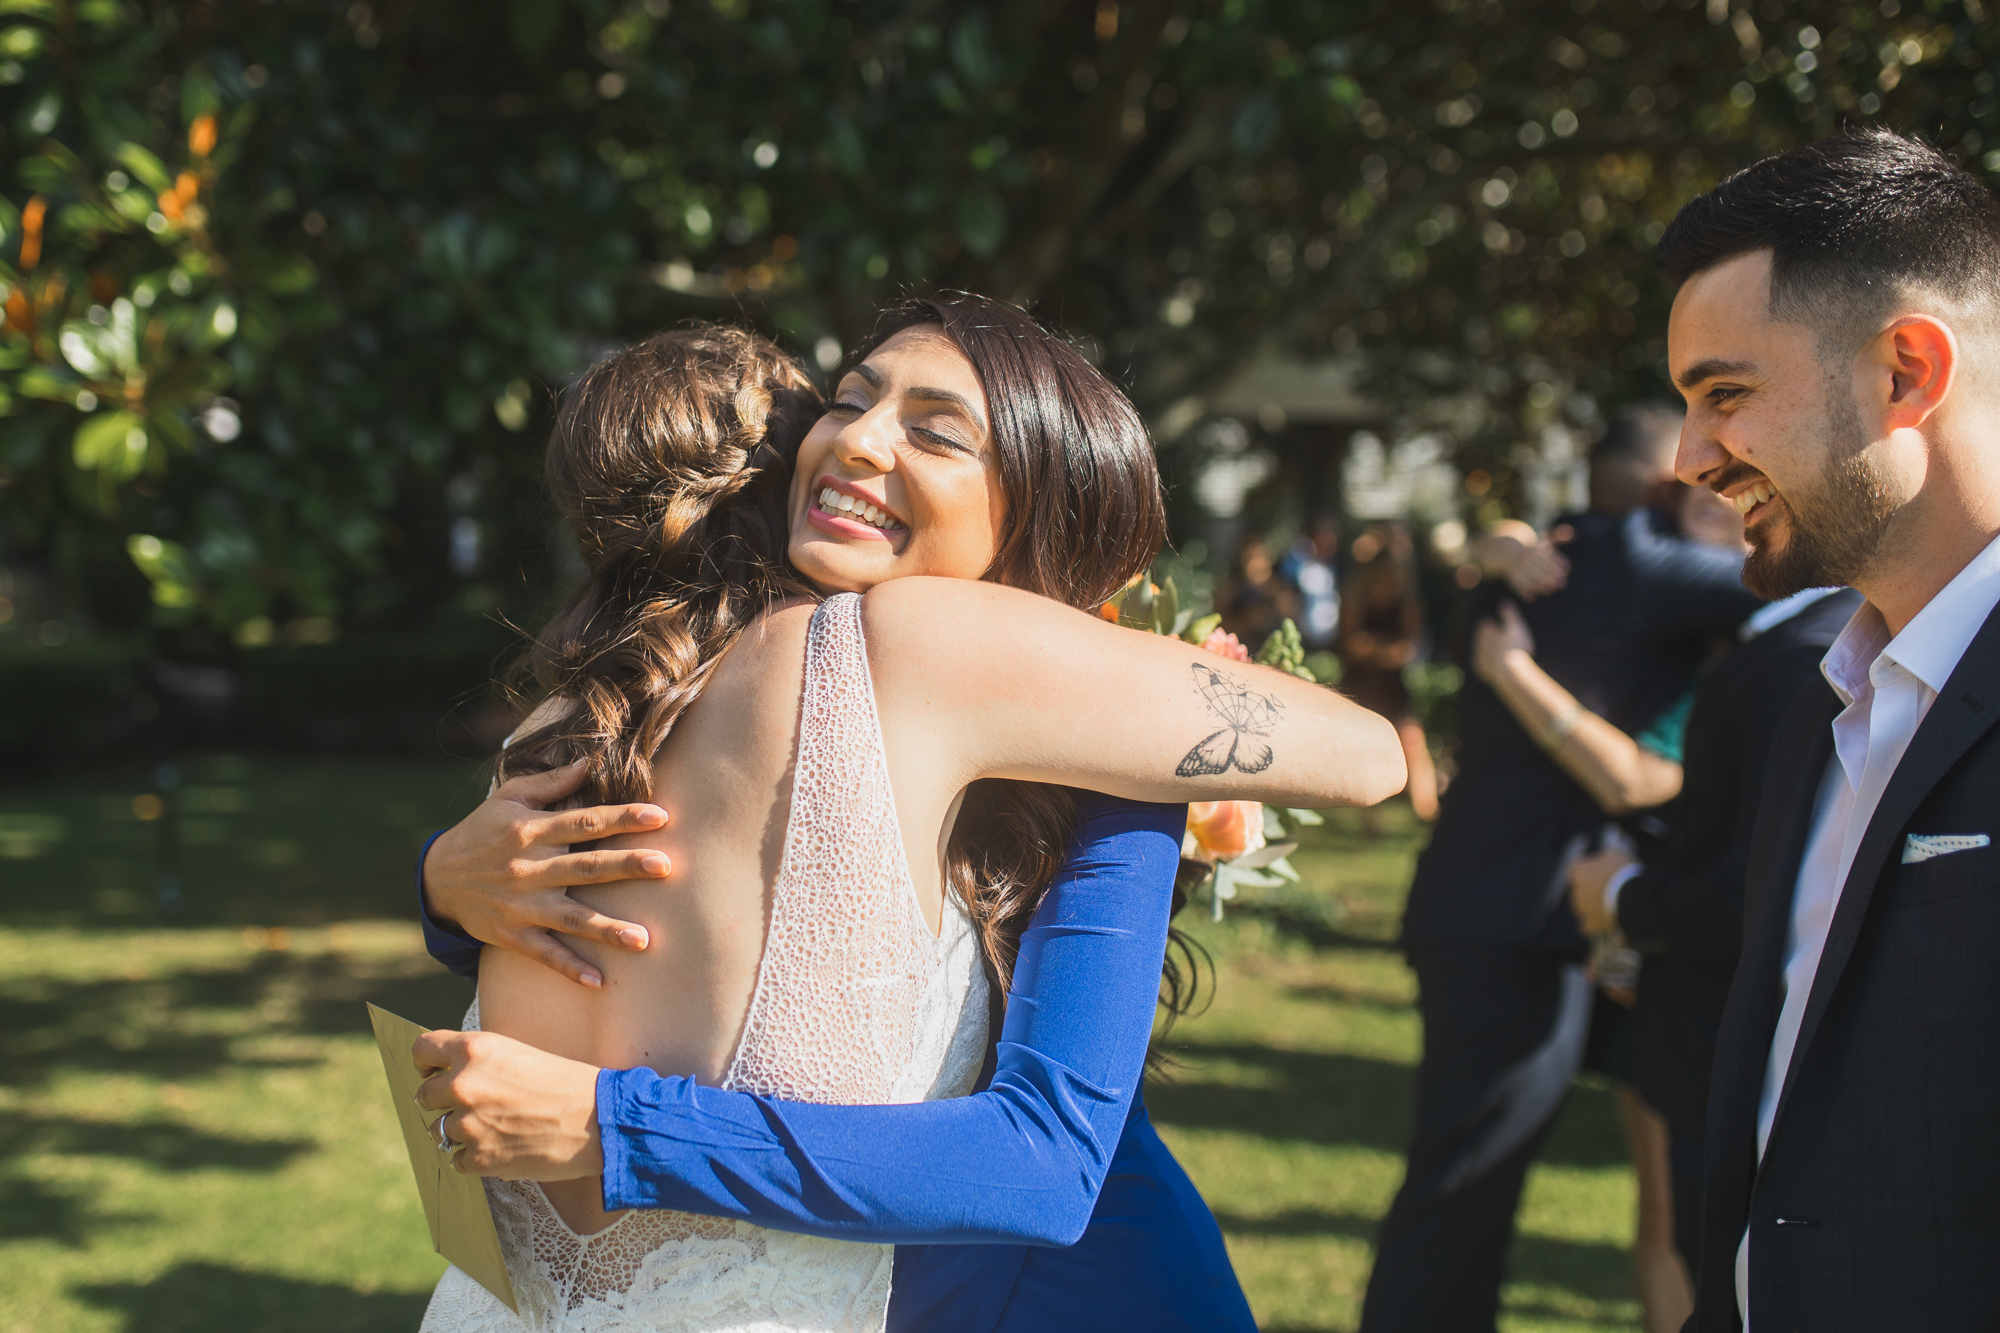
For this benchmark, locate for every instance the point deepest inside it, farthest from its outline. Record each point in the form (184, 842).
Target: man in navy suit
(1502, 992)
(1836, 334)
(1683, 909)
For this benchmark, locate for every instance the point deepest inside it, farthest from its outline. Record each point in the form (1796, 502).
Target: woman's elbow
(1624, 797)
(1616, 803)
(1066, 1224)
(1386, 770)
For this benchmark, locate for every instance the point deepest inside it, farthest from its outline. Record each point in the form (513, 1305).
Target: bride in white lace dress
(857, 1000)
(821, 937)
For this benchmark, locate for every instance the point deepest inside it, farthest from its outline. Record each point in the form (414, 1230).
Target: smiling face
(901, 476)
(1774, 424)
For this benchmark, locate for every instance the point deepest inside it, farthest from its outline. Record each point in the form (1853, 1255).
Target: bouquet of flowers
(1228, 844)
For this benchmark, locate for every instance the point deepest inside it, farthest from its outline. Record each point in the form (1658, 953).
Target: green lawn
(1290, 1103)
(193, 1134)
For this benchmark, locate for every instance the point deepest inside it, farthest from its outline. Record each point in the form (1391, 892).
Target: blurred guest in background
(1253, 599)
(1502, 989)
(1312, 569)
(1381, 627)
(1625, 774)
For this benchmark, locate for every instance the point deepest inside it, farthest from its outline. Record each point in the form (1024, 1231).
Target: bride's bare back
(725, 771)
(728, 771)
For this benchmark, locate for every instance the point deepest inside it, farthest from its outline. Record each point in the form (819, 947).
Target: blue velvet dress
(1044, 1201)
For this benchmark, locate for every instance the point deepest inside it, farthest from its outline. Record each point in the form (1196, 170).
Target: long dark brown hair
(670, 464)
(1084, 513)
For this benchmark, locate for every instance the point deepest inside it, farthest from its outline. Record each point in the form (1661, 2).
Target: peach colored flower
(1225, 645)
(1223, 830)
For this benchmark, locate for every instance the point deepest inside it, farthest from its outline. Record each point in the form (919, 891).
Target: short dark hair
(1640, 430)
(1625, 463)
(1852, 222)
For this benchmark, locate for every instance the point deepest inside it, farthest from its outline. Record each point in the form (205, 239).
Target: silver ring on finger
(445, 1143)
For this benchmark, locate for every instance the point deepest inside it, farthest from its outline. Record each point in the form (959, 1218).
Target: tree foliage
(288, 284)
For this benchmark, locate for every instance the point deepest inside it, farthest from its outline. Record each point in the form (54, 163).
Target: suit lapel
(1968, 705)
(1743, 1045)
(1778, 845)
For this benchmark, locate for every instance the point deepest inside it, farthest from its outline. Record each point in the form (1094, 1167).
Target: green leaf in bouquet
(1268, 854)
(1221, 888)
(1198, 632)
(1283, 867)
(1274, 827)
(1256, 879)
(1285, 649)
(1166, 608)
(1309, 818)
(1135, 611)
(1325, 668)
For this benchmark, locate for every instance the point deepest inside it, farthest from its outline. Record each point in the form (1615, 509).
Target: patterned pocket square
(1923, 846)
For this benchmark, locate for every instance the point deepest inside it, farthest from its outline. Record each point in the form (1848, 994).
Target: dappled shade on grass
(193, 1134)
(1289, 1103)
(207, 1297)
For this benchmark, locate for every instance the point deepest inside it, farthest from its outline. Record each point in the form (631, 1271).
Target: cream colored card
(455, 1204)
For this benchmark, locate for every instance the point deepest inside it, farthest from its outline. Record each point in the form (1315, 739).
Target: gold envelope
(455, 1205)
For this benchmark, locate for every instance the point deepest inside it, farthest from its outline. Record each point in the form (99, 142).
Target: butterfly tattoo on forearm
(1247, 718)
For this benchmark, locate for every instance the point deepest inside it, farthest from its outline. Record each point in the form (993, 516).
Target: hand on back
(503, 874)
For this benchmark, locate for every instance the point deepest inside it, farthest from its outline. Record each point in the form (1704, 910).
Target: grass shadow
(166, 1144)
(1306, 1096)
(1313, 928)
(1590, 1270)
(1297, 1222)
(130, 1026)
(1333, 1098)
(204, 1298)
(31, 1210)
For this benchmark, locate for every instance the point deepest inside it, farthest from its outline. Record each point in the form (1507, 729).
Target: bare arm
(1529, 562)
(1619, 775)
(995, 682)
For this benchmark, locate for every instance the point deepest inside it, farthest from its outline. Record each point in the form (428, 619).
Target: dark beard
(1837, 527)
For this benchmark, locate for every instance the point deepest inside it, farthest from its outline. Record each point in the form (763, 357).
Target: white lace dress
(856, 1002)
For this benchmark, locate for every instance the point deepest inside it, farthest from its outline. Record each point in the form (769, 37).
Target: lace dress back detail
(856, 1002)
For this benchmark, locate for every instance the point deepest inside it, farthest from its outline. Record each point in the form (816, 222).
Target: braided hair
(669, 464)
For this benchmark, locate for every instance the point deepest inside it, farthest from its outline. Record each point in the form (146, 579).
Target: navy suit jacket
(1641, 609)
(1875, 1204)
(1685, 910)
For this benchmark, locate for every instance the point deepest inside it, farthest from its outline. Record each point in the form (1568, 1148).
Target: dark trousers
(1686, 1153)
(1504, 1031)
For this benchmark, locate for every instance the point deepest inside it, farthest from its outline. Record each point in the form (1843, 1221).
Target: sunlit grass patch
(192, 1127)
(1290, 1099)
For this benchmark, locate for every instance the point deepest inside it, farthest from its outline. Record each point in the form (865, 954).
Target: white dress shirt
(1888, 685)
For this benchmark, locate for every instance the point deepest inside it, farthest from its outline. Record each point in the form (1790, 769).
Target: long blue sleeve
(449, 945)
(1020, 1162)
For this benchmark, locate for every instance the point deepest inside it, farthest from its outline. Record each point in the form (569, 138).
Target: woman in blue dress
(1044, 1200)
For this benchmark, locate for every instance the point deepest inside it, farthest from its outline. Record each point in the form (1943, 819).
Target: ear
(1919, 356)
